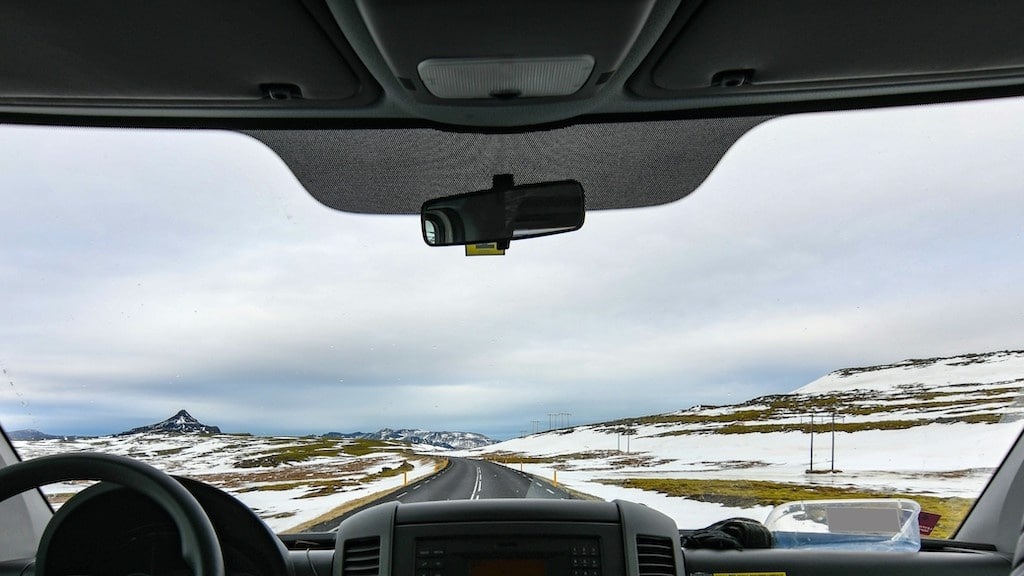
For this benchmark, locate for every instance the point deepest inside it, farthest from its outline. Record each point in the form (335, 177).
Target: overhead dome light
(505, 78)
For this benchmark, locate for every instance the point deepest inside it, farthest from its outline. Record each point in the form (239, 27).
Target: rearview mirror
(503, 213)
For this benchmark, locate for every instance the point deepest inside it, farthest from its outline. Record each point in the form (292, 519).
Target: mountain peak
(180, 423)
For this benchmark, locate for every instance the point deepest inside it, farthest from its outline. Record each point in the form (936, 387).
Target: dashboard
(108, 530)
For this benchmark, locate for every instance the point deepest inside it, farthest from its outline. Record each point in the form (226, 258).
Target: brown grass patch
(284, 474)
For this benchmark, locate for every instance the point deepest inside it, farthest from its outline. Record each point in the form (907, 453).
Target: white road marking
(415, 487)
(475, 495)
(400, 495)
(549, 491)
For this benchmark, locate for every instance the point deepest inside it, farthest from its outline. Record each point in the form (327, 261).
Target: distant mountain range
(180, 423)
(185, 423)
(449, 440)
(33, 434)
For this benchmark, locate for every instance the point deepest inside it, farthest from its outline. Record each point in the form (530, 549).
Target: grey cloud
(816, 244)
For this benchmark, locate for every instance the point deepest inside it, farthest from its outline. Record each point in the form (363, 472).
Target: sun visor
(750, 47)
(394, 171)
(164, 51)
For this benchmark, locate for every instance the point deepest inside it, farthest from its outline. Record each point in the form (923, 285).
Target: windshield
(834, 313)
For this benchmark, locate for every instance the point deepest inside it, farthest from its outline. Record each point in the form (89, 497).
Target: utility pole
(522, 433)
(833, 469)
(811, 469)
(563, 419)
(551, 416)
(535, 425)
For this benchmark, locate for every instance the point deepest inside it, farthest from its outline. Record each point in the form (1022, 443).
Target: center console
(514, 537)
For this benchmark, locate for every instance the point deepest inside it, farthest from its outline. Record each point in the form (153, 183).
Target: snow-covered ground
(321, 475)
(939, 459)
(936, 427)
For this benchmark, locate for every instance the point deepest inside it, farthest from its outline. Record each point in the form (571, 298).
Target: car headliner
(327, 85)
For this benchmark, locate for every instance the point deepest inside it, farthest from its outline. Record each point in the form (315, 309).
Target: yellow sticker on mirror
(489, 249)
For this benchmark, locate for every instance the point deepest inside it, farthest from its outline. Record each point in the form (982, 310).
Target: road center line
(475, 494)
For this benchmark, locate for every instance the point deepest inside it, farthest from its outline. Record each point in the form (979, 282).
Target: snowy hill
(970, 389)
(447, 440)
(999, 369)
(180, 423)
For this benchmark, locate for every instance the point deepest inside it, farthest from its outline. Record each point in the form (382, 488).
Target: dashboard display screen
(507, 567)
(427, 550)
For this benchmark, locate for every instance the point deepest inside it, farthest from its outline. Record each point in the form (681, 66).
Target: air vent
(362, 557)
(655, 556)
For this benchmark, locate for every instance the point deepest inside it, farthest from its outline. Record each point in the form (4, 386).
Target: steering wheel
(199, 545)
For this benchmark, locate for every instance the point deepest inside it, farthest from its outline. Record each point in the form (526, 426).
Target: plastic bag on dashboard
(731, 534)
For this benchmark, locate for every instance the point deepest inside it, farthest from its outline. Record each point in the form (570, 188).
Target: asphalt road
(465, 480)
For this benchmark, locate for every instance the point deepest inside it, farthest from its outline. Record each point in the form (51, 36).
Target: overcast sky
(146, 272)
